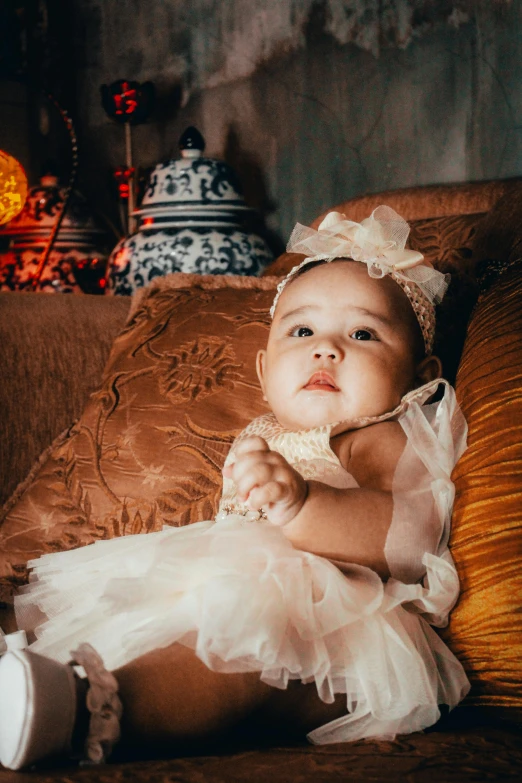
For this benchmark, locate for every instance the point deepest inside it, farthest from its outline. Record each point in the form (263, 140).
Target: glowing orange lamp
(13, 187)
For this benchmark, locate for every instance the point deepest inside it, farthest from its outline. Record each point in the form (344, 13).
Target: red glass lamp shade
(128, 102)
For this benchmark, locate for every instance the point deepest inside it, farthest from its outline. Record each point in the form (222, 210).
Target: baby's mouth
(321, 381)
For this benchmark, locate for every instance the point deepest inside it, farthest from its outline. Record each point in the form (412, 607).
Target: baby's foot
(47, 710)
(38, 708)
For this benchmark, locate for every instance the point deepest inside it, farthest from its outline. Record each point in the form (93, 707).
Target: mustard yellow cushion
(486, 626)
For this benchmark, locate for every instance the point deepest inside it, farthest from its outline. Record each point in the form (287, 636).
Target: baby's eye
(362, 334)
(301, 331)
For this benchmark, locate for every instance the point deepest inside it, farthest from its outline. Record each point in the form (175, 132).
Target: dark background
(312, 101)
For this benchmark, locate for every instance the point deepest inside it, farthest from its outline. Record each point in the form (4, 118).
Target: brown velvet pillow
(486, 626)
(179, 384)
(433, 201)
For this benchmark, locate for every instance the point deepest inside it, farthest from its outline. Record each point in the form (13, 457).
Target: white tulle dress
(237, 592)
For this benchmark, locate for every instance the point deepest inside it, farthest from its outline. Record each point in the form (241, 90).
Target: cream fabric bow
(378, 241)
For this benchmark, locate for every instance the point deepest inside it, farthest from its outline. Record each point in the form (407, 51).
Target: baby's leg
(169, 696)
(170, 700)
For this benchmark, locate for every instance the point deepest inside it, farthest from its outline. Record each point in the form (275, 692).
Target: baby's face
(341, 346)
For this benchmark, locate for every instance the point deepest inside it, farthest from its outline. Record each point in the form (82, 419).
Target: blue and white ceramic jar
(192, 218)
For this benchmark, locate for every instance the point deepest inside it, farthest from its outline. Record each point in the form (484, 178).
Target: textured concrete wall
(14, 135)
(312, 102)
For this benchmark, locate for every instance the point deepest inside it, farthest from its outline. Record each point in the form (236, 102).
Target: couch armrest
(52, 352)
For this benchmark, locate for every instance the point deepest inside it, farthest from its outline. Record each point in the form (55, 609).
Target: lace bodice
(308, 451)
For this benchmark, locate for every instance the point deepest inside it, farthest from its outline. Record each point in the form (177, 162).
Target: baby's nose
(327, 349)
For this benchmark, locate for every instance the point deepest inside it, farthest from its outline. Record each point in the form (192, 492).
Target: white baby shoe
(37, 708)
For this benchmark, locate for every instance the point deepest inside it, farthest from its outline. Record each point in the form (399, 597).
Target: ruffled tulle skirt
(244, 599)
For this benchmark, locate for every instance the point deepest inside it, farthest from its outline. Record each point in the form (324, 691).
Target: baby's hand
(264, 479)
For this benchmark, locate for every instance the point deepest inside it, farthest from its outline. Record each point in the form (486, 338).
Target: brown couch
(52, 354)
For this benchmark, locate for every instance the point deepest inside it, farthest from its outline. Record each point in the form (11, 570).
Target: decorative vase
(193, 218)
(78, 259)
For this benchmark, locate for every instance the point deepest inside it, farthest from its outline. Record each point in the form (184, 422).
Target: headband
(379, 242)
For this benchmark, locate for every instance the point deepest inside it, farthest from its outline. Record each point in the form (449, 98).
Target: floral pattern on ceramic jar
(193, 218)
(78, 259)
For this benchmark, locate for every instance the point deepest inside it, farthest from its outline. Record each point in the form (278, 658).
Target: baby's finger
(246, 462)
(253, 443)
(259, 474)
(254, 446)
(272, 492)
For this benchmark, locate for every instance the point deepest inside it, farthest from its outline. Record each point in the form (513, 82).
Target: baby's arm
(349, 525)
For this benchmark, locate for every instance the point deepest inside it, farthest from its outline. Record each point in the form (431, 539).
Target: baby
(342, 346)
(308, 600)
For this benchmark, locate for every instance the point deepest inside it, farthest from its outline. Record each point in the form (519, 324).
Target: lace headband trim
(379, 242)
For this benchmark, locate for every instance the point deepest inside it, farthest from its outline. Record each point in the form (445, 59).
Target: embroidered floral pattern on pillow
(179, 385)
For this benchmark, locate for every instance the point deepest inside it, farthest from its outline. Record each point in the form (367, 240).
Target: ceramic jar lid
(192, 190)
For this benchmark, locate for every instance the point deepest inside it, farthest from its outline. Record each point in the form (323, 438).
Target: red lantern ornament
(123, 177)
(128, 102)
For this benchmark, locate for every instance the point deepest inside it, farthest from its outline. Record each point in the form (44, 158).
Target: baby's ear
(260, 367)
(428, 369)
